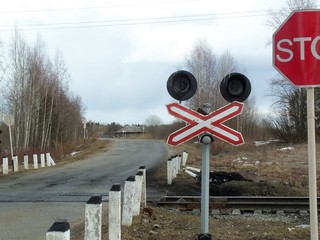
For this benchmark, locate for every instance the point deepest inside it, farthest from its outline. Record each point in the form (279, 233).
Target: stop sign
(296, 48)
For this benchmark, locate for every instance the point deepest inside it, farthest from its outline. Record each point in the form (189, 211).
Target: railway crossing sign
(211, 123)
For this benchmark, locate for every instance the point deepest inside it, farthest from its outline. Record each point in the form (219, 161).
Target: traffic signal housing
(235, 87)
(182, 85)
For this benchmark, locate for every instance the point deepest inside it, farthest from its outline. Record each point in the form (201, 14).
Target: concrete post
(184, 158)
(179, 158)
(5, 165)
(115, 212)
(175, 166)
(15, 163)
(137, 194)
(194, 169)
(144, 186)
(127, 201)
(50, 161)
(60, 230)
(93, 218)
(35, 161)
(26, 161)
(169, 171)
(192, 174)
(42, 160)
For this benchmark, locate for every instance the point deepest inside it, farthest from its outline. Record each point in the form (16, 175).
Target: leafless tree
(209, 69)
(46, 113)
(153, 120)
(277, 17)
(202, 63)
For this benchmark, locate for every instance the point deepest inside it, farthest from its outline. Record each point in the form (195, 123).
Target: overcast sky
(121, 53)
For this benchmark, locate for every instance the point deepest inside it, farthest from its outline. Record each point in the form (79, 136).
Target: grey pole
(205, 140)
(205, 171)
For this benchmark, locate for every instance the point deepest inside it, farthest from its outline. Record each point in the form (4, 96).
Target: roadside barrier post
(115, 212)
(15, 163)
(184, 158)
(93, 218)
(26, 161)
(42, 160)
(144, 186)
(127, 201)
(174, 164)
(179, 162)
(5, 165)
(50, 161)
(137, 194)
(60, 230)
(35, 161)
(169, 171)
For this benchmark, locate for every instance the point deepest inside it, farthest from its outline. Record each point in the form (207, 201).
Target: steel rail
(238, 202)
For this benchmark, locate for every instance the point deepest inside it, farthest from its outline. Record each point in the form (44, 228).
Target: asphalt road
(32, 201)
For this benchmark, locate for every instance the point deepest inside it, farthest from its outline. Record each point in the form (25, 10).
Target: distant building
(130, 131)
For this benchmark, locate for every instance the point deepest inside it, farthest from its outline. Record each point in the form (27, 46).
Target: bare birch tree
(209, 69)
(46, 113)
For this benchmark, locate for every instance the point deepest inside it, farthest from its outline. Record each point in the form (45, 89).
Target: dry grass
(260, 163)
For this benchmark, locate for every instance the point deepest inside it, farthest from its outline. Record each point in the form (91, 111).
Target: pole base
(205, 236)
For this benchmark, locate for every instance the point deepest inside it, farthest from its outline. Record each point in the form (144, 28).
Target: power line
(138, 21)
(97, 7)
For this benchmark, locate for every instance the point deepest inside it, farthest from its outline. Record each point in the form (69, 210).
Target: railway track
(243, 203)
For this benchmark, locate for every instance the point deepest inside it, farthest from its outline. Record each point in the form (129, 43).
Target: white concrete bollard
(15, 163)
(42, 160)
(175, 167)
(194, 169)
(144, 186)
(50, 161)
(137, 194)
(26, 161)
(35, 161)
(115, 212)
(93, 218)
(60, 230)
(184, 158)
(127, 201)
(5, 165)
(169, 171)
(179, 162)
(192, 174)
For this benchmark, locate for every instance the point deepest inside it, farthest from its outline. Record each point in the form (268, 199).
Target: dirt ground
(275, 169)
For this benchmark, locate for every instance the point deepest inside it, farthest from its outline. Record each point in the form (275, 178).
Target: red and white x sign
(211, 123)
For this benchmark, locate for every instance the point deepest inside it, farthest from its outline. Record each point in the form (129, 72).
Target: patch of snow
(286, 149)
(261, 143)
(303, 226)
(240, 159)
(73, 153)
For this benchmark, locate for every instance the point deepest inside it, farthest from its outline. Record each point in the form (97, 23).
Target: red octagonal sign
(296, 48)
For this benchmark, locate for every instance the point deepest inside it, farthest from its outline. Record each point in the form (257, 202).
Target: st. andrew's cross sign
(211, 123)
